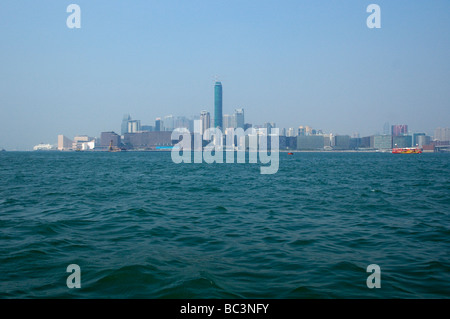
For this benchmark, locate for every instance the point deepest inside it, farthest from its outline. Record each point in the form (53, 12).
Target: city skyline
(236, 120)
(290, 62)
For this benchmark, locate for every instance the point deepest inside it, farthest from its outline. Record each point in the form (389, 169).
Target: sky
(292, 62)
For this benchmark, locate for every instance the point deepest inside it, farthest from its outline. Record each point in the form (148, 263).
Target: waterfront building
(402, 141)
(441, 134)
(83, 143)
(107, 138)
(415, 138)
(147, 140)
(422, 140)
(342, 142)
(310, 142)
(382, 142)
(64, 143)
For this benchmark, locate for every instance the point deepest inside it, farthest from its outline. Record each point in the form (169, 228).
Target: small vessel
(113, 148)
(290, 153)
(406, 150)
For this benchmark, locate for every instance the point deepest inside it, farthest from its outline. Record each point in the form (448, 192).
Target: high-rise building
(158, 125)
(134, 126)
(442, 134)
(182, 121)
(64, 143)
(402, 141)
(422, 140)
(205, 117)
(415, 138)
(311, 142)
(168, 123)
(386, 128)
(301, 131)
(124, 127)
(291, 132)
(228, 121)
(218, 105)
(147, 128)
(399, 130)
(341, 142)
(268, 126)
(382, 142)
(239, 117)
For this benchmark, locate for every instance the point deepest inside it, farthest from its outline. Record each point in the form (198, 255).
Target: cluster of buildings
(157, 136)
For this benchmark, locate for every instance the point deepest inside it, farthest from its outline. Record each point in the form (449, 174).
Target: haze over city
(288, 62)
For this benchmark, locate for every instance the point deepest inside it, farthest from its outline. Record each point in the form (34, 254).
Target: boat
(290, 153)
(406, 150)
(113, 148)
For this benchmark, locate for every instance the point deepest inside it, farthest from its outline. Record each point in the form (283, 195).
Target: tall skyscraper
(399, 129)
(205, 117)
(168, 123)
(134, 126)
(218, 105)
(386, 127)
(158, 124)
(124, 127)
(239, 118)
(228, 121)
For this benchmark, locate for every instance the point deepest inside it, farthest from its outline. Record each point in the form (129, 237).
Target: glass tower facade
(124, 127)
(218, 105)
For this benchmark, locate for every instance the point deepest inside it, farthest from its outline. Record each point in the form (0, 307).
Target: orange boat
(406, 150)
(290, 153)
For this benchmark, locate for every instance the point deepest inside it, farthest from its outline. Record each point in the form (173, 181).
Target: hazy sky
(290, 62)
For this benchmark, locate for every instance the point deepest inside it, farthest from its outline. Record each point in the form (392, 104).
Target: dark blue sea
(140, 226)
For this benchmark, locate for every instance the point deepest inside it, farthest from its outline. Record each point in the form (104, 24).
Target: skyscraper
(228, 121)
(386, 127)
(239, 118)
(134, 126)
(218, 105)
(205, 117)
(399, 129)
(168, 123)
(124, 127)
(442, 134)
